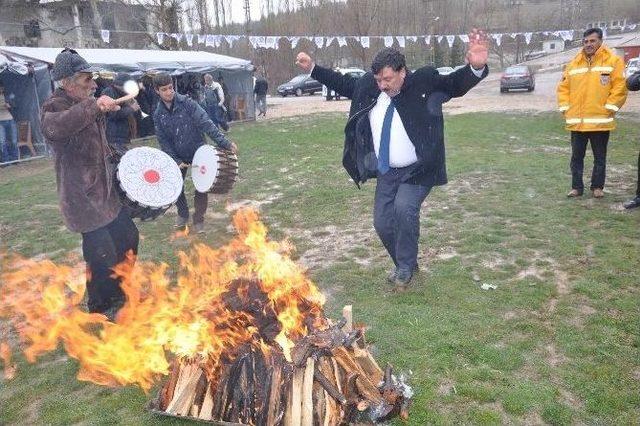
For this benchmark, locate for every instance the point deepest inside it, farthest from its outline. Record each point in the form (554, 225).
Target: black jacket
(419, 105)
(261, 87)
(180, 129)
(118, 130)
(633, 82)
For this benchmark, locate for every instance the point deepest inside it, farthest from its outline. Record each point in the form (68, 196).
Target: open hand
(478, 51)
(304, 62)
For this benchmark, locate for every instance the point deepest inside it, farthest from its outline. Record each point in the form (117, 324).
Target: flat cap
(68, 62)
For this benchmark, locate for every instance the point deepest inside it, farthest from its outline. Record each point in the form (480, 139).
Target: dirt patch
(562, 283)
(533, 418)
(332, 244)
(532, 272)
(240, 204)
(446, 387)
(567, 398)
(554, 358)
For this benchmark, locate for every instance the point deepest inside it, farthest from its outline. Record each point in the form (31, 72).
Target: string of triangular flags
(273, 42)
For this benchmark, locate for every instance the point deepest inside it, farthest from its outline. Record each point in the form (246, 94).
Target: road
(485, 97)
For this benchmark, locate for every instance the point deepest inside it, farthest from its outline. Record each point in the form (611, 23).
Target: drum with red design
(149, 182)
(214, 170)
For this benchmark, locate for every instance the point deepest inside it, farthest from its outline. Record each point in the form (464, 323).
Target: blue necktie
(385, 140)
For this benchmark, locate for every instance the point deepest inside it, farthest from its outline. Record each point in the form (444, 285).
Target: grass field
(556, 342)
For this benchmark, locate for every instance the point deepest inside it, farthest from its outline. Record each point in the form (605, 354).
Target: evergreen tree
(457, 53)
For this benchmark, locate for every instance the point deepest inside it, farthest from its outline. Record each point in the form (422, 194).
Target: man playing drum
(73, 123)
(180, 124)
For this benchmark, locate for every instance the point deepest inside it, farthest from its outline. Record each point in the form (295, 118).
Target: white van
(354, 72)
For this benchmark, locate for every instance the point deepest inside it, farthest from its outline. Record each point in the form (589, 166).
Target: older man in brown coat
(73, 123)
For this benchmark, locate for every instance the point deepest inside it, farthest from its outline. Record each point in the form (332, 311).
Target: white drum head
(204, 168)
(150, 177)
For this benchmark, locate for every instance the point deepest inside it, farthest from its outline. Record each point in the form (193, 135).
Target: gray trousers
(396, 216)
(200, 201)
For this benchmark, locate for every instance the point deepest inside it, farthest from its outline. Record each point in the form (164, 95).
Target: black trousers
(103, 249)
(200, 201)
(638, 184)
(599, 142)
(396, 217)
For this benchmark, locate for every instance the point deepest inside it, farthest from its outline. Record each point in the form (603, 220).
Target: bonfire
(237, 333)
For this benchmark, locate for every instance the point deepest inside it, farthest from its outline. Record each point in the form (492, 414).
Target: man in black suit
(395, 134)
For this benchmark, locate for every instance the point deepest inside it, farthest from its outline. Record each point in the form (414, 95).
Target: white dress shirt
(402, 153)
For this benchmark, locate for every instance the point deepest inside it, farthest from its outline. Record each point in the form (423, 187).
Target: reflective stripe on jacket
(592, 91)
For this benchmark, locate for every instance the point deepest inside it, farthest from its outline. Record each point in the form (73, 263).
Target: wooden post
(292, 416)
(307, 393)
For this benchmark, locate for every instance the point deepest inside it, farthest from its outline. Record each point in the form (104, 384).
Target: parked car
(517, 77)
(632, 66)
(299, 85)
(445, 70)
(354, 72)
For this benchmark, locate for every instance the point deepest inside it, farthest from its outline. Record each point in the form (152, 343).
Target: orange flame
(188, 316)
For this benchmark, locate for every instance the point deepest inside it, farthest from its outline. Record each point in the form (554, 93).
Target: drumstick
(131, 89)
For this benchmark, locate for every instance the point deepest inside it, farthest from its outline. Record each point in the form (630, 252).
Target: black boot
(632, 203)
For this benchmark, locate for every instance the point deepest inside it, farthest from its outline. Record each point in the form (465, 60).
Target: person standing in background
(214, 102)
(260, 90)
(591, 92)
(8, 130)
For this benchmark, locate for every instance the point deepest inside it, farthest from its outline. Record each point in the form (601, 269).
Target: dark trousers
(200, 201)
(638, 184)
(103, 249)
(599, 142)
(396, 217)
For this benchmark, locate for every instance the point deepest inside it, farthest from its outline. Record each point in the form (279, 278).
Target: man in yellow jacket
(592, 90)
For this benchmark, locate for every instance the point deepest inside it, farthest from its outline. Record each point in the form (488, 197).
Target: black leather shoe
(632, 203)
(403, 278)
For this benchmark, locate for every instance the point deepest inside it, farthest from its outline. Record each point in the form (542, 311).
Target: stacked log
(332, 379)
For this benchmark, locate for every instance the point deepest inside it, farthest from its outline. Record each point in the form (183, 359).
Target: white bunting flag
(427, 39)
(294, 41)
(254, 41)
(342, 41)
(566, 35)
(271, 42)
(329, 41)
(176, 36)
(464, 38)
(632, 26)
(513, 35)
(189, 38)
(230, 39)
(450, 40)
(106, 35)
(364, 41)
(401, 41)
(497, 38)
(412, 38)
(527, 37)
(439, 38)
(319, 41)
(261, 42)
(160, 37)
(388, 41)
(210, 41)
(202, 38)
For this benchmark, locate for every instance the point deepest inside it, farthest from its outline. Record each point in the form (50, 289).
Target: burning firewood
(330, 380)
